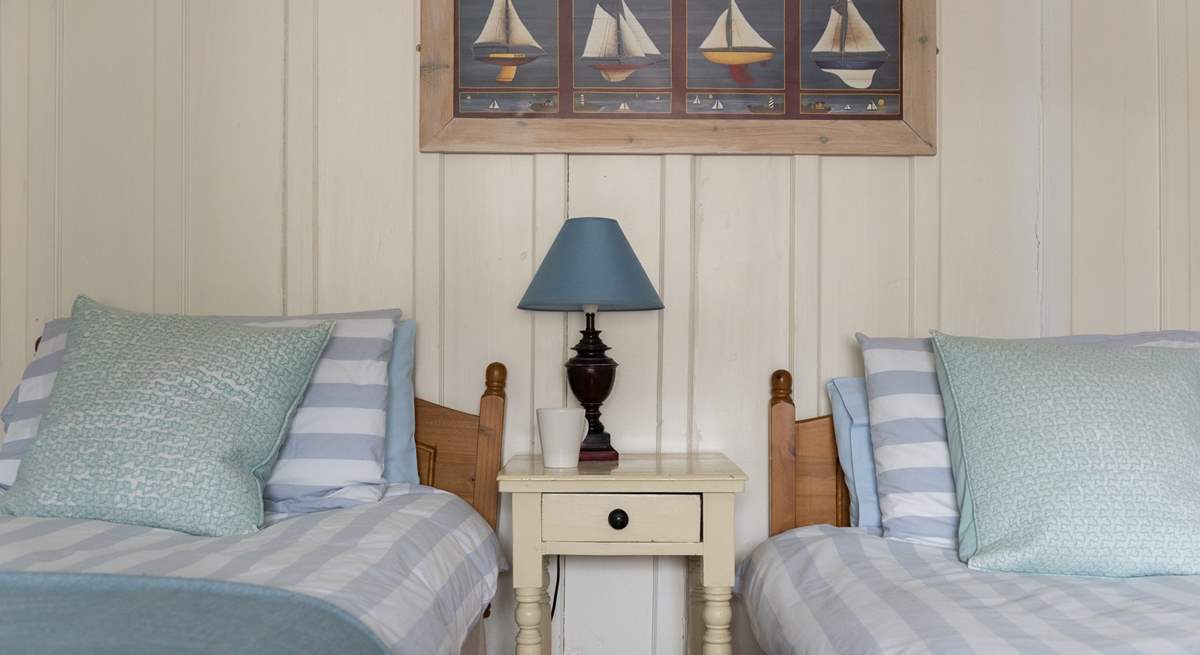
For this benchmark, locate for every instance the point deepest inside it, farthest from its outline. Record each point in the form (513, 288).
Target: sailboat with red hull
(617, 45)
(733, 42)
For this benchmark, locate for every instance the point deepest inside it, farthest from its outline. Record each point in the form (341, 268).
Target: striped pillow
(333, 455)
(908, 431)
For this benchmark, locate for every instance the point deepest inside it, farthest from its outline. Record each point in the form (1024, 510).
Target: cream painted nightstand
(642, 505)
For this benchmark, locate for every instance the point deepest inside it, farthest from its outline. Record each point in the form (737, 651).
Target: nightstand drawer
(629, 518)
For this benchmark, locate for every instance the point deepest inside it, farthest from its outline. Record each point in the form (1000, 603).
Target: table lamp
(591, 267)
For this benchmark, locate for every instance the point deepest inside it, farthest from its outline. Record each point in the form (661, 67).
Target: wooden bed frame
(460, 452)
(807, 487)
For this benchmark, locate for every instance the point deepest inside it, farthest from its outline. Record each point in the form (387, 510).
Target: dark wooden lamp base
(591, 374)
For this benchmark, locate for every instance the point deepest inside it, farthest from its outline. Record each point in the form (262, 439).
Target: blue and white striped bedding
(842, 590)
(417, 568)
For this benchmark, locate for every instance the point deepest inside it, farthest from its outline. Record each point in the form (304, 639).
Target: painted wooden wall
(258, 156)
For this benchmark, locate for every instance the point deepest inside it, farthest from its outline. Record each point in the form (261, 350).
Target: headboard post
(491, 442)
(807, 487)
(782, 453)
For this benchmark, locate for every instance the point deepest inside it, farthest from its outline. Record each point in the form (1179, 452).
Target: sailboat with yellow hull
(617, 45)
(849, 48)
(734, 43)
(505, 41)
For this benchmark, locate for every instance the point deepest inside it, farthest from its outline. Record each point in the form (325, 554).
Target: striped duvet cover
(842, 590)
(417, 569)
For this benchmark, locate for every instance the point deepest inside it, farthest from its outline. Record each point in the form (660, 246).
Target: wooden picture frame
(913, 133)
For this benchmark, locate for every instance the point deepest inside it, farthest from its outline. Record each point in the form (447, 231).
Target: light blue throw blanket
(97, 614)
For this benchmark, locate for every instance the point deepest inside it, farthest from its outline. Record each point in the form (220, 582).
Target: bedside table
(641, 505)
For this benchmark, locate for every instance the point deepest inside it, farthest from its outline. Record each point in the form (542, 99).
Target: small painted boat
(547, 106)
(617, 45)
(505, 41)
(733, 42)
(849, 48)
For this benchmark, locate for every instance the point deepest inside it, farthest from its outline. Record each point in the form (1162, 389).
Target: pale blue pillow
(401, 443)
(165, 421)
(915, 484)
(1073, 459)
(334, 455)
(852, 431)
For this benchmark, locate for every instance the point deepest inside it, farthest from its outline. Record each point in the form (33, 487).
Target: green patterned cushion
(1073, 459)
(166, 421)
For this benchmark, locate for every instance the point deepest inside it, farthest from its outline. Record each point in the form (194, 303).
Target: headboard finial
(781, 387)
(497, 376)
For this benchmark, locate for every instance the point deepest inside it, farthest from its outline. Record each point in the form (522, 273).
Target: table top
(631, 469)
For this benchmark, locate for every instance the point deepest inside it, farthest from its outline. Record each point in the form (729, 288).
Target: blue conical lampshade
(590, 263)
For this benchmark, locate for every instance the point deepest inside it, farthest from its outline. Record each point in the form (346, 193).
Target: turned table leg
(718, 573)
(718, 615)
(529, 620)
(529, 577)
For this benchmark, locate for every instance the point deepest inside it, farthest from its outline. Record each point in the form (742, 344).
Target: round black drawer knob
(618, 519)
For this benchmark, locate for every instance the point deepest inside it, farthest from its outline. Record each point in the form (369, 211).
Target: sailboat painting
(735, 44)
(824, 77)
(622, 43)
(773, 60)
(850, 44)
(507, 43)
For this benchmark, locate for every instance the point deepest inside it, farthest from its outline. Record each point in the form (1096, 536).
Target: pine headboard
(460, 452)
(806, 481)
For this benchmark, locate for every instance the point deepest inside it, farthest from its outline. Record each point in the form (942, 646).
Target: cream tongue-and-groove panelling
(259, 156)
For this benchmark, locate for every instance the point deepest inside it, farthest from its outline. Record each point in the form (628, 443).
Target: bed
(818, 586)
(413, 573)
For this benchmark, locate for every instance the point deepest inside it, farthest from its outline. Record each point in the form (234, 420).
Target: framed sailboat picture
(679, 76)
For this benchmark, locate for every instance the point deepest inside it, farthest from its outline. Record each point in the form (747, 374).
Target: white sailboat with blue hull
(849, 48)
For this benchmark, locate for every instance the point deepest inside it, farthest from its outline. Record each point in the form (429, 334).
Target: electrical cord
(557, 579)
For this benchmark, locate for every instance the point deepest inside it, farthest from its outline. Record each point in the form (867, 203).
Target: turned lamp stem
(591, 374)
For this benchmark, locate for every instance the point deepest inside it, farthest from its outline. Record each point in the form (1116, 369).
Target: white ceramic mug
(562, 431)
